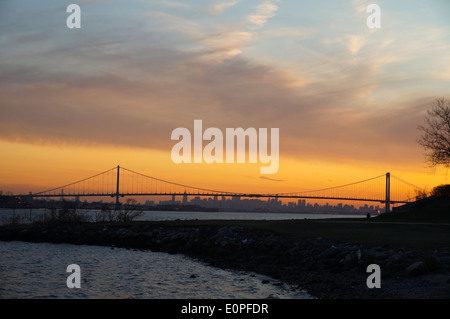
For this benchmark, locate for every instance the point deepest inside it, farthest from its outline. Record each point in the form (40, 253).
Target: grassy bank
(361, 231)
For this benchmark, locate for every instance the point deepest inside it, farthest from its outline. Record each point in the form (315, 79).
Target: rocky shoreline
(326, 269)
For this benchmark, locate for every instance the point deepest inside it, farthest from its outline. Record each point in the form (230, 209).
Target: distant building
(185, 198)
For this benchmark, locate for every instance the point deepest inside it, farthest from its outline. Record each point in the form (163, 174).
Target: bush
(421, 194)
(441, 191)
(126, 213)
(68, 213)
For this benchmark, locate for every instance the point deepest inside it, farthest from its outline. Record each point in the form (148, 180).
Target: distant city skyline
(234, 203)
(271, 204)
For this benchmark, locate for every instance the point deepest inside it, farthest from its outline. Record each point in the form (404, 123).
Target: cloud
(221, 45)
(172, 4)
(272, 179)
(225, 42)
(360, 6)
(133, 86)
(110, 109)
(220, 7)
(264, 12)
(218, 42)
(355, 43)
(83, 2)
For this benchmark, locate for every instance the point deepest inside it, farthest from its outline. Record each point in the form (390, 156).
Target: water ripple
(38, 270)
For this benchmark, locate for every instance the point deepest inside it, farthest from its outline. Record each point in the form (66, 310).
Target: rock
(417, 268)
(330, 252)
(349, 260)
(223, 242)
(396, 262)
(309, 263)
(224, 232)
(395, 258)
(279, 283)
(431, 262)
(374, 256)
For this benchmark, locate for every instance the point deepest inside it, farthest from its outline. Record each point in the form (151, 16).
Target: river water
(38, 270)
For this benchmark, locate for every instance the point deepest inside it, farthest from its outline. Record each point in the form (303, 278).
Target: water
(38, 270)
(161, 215)
(26, 215)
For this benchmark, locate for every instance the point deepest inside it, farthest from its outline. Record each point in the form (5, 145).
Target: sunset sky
(347, 99)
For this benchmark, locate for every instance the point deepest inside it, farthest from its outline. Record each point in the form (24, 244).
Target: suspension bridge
(120, 182)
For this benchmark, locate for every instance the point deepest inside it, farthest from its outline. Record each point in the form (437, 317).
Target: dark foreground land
(328, 258)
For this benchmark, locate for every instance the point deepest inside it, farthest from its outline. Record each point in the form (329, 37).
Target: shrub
(441, 191)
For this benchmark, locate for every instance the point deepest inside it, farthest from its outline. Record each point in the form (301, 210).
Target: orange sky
(36, 168)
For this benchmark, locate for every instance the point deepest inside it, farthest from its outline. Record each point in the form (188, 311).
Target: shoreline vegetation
(326, 257)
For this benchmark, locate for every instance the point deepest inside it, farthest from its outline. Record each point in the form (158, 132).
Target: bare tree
(130, 211)
(435, 137)
(125, 213)
(421, 194)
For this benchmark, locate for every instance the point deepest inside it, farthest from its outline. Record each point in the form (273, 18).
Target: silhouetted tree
(421, 194)
(104, 214)
(130, 211)
(441, 191)
(125, 213)
(435, 137)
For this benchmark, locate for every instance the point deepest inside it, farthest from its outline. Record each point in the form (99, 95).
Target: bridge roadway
(219, 194)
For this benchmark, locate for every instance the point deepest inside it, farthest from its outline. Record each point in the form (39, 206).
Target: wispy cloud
(355, 43)
(220, 7)
(272, 179)
(219, 42)
(360, 6)
(264, 12)
(172, 4)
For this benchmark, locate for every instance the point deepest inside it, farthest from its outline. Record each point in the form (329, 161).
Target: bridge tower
(388, 193)
(117, 188)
